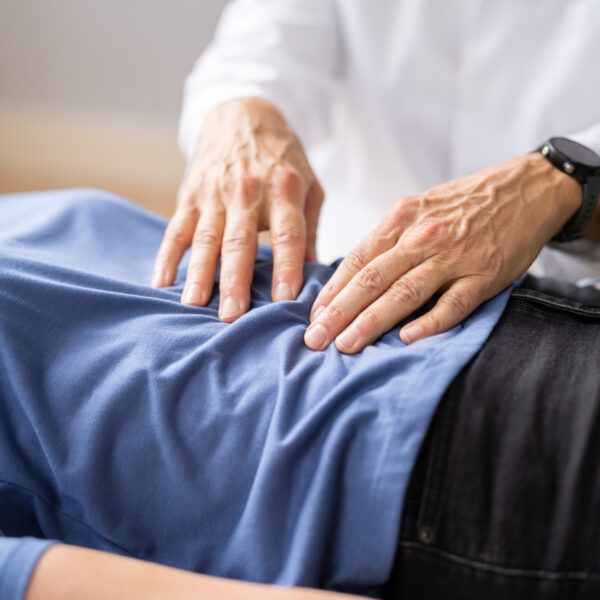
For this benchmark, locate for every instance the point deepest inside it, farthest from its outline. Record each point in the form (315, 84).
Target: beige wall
(90, 93)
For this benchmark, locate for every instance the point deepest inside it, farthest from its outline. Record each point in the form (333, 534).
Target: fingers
(363, 289)
(238, 251)
(359, 315)
(288, 239)
(287, 191)
(204, 260)
(404, 296)
(312, 211)
(356, 260)
(288, 233)
(176, 240)
(453, 307)
(384, 237)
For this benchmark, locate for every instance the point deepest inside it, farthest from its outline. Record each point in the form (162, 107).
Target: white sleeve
(286, 51)
(574, 262)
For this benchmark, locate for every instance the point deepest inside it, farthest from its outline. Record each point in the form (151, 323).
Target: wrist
(257, 113)
(566, 192)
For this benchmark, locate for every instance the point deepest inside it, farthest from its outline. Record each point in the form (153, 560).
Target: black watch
(582, 164)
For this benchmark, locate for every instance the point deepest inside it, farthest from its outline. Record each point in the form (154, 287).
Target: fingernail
(231, 308)
(348, 338)
(283, 291)
(193, 294)
(316, 313)
(411, 333)
(316, 337)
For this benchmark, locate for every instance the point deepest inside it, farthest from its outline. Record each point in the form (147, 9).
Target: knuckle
(287, 180)
(402, 209)
(248, 184)
(425, 233)
(231, 281)
(287, 236)
(397, 212)
(237, 242)
(356, 259)
(188, 192)
(457, 305)
(175, 235)
(210, 191)
(370, 278)
(327, 294)
(405, 290)
(370, 321)
(205, 237)
(286, 268)
(336, 313)
(243, 186)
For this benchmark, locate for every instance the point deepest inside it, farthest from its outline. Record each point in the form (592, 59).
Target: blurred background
(90, 93)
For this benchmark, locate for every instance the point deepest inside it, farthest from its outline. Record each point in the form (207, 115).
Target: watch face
(576, 152)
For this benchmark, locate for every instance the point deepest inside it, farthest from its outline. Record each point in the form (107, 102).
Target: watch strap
(587, 176)
(573, 228)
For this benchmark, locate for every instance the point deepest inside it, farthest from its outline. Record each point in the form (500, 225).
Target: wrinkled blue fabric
(134, 424)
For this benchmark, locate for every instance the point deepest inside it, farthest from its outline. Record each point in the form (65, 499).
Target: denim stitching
(500, 570)
(433, 488)
(551, 313)
(571, 306)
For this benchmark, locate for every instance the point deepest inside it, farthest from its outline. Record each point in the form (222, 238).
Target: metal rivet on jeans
(425, 535)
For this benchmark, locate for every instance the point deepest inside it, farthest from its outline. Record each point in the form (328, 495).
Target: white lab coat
(391, 97)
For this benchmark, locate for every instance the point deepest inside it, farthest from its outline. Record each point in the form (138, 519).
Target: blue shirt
(134, 424)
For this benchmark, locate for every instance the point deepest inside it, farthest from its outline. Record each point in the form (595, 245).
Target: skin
(466, 239)
(250, 174)
(70, 573)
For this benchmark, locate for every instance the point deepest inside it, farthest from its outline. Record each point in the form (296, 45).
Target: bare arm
(71, 573)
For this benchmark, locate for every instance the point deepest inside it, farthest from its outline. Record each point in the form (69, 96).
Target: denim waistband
(503, 499)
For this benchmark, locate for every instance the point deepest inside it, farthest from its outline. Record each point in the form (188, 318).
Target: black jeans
(504, 502)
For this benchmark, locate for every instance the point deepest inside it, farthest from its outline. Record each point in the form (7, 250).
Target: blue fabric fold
(134, 424)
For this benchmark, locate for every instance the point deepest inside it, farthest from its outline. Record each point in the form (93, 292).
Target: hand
(250, 174)
(468, 238)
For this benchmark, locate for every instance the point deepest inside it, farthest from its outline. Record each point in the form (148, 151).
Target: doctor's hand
(250, 174)
(467, 239)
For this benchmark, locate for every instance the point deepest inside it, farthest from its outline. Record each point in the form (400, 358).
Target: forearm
(71, 573)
